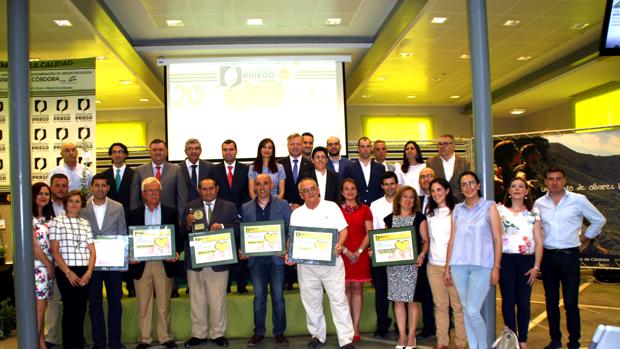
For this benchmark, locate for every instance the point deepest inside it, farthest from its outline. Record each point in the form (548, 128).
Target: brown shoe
(255, 340)
(281, 340)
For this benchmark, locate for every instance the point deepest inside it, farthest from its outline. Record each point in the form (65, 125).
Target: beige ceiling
(131, 35)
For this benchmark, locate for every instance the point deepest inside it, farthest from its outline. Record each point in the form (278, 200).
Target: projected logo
(230, 76)
(40, 134)
(40, 105)
(62, 105)
(83, 104)
(40, 163)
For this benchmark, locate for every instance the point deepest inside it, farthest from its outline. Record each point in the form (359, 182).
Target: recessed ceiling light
(436, 79)
(406, 54)
(98, 101)
(382, 78)
(517, 111)
(464, 56)
(175, 23)
(63, 22)
(125, 82)
(579, 26)
(455, 97)
(524, 58)
(511, 23)
(439, 20)
(144, 99)
(34, 59)
(333, 21)
(365, 96)
(101, 58)
(254, 21)
(411, 97)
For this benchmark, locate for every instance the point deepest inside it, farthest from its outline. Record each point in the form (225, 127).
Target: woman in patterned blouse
(42, 214)
(74, 252)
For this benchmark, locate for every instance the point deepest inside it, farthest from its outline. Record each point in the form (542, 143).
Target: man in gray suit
(174, 189)
(448, 165)
(380, 150)
(106, 218)
(194, 170)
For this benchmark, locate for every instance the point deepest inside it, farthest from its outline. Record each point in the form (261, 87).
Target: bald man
(79, 175)
(336, 163)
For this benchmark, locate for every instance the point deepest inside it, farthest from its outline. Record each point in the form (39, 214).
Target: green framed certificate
(213, 248)
(112, 252)
(151, 242)
(266, 238)
(315, 246)
(394, 246)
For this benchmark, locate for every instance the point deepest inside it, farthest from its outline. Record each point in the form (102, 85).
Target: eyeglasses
(309, 190)
(118, 152)
(333, 144)
(444, 144)
(469, 184)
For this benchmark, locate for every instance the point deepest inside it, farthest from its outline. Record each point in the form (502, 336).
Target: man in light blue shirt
(562, 213)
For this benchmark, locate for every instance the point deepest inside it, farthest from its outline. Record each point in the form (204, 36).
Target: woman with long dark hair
(408, 171)
(265, 162)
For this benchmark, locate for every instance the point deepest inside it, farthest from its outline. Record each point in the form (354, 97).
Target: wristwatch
(359, 251)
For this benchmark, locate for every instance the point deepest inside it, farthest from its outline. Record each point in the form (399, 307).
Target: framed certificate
(266, 238)
(213, 248)
(151, 242)
(312, 245)
(112, 252)
(393, 246)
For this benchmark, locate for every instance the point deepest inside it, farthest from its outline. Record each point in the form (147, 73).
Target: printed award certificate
(264, 238)
(151, 242)
(213, 248)
(112, 252)
(393, 246)
(310, 245)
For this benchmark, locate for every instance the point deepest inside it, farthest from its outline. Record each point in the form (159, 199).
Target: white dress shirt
(448, 167)
(321, 181)
(100, 212)
(380, 208)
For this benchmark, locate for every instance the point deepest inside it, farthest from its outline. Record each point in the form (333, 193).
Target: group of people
(465, 243)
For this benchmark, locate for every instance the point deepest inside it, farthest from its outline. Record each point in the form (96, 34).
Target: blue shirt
(473, 235)
(562, 223)
(152, 217)
(275, 177)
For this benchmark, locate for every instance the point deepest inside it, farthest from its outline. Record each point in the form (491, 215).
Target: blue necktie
(295, 170)
(117, 179)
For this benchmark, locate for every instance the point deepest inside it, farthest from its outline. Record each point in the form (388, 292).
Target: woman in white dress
(409, 171)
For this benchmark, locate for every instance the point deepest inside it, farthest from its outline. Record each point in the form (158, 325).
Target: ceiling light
(511, 23)
(524, 58)
(517, 111)
(411, 97)
(98, 101)
(101, 58)
(382, 78)
(175, 23)
(34, 59)
(435, 79)
(333, 21)
(365, 96)
(63, 22)
(406, 54)
(579, 26)
(125, 82)
(455, 97)
(144, 99)
(464, 56)
(439, 20)
(254, 21)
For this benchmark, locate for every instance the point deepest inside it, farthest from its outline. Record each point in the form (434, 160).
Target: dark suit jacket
(224, 212)
(332, 184)
(291, 192)
(278, 209)
(344, 163)
(239, 191)
(372, 191)
(113, 220)
(168, 216)
(204, 171)
(460, 165)
(122, 194)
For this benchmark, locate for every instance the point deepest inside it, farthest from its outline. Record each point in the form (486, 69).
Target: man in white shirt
(79, 175)
(381, 208)
(448, 165)
(336, 163)
(294, 166)
(326, 179)
(314, 278)
(194, 170)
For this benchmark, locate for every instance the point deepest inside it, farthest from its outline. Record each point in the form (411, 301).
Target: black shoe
(425, 333)
(282, 340)
(117, 346)
(242, 290)
(96, 346)
(255, 340)
(315, 343)
(381, 334)
(50, 345)
(169, 344)
(131, 294)
(554, 345)
(348, 346)
(194, 342)
(142, 345)
(220, 341)
(175, 294)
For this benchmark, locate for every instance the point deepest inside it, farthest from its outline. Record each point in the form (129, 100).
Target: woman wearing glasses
(474, 254)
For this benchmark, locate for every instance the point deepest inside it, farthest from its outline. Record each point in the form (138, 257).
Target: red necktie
(230, 176)
(158, 172)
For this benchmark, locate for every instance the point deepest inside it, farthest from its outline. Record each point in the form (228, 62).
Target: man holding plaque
(208, 284)
(318, 213)
(267, 270)
(106, 218)
(154, 275)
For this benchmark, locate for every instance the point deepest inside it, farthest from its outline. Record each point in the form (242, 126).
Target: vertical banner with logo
(62, 109)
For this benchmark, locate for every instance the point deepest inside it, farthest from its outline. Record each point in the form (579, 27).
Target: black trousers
(74, 300)
(379, 280)
(114, 293)
(516, 292)
(562, 267)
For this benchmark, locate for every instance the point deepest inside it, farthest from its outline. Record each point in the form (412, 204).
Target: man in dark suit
(106, 217)
(231, 176)
(294, 165)
(154, 275)
(448, 165)
(194, 170)
(337, 163)
(327, 179)
(267, 272)
(209, 284)
(308, 141)
(174, 190)
(366, 172)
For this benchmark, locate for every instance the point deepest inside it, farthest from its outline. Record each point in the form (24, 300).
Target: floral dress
(42, 282)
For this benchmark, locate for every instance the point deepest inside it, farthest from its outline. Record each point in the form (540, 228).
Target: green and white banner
(62, 109)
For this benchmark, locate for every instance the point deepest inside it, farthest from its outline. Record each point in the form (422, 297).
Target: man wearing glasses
(448, 165)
